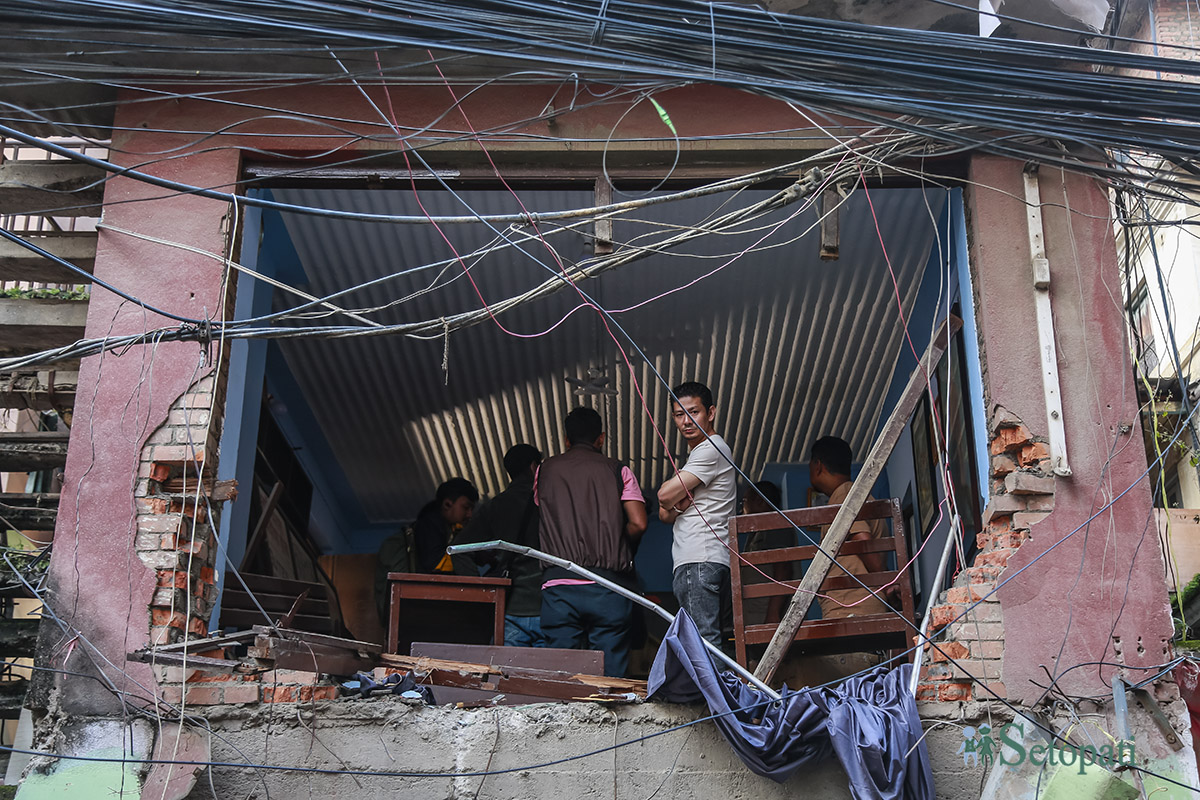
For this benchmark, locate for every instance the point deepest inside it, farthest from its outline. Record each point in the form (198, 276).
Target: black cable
(89, 277)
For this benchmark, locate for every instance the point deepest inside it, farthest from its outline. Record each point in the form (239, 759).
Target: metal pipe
(933, 597)
(614, 587)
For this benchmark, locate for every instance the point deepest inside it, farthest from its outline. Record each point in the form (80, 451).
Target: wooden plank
(314, 657)
(176, 659)
(319, 638)
(839, 529)
(419, 577)
(29, 512)
(559, 659)
(31, 451)
(872, 579)
(813, 517)
(209, 643)
(522, 680)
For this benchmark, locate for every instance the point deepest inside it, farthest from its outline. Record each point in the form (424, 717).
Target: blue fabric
(589, 617)
(869, 722)
(702, 589)
(523, 631)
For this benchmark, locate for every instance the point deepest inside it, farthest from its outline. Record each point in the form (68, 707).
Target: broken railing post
(522, 550)
(839, 529)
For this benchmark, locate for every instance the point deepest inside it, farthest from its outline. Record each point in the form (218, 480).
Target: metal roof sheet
(792, 346)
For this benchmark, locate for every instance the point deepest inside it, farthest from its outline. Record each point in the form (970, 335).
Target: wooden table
(445, 588)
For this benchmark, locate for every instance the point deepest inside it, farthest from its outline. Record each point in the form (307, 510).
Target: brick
(147, 541)
(175, 454)
(325, 693)
(959, 595)
(986, 574)
(168, 597)
(245, 693)
(1028, 483)
(163, 435)
(942, 615)
(198, 627)
(201, 695)
(1003, 418)
(989, 649)
(987, 611)
(171, 694)
(177, 579)
(1003, 464)
(208, 575)
(194, 417)
(160, 635)
(1003, 505)
(972, 631)
(1034, 453)
(285, 676)
(279, 694)
(1010, 541)
(164, 616)
(997, 558)
(926, 692)
(1010, 438)
(974, 669)
(954, 692)
(936, 672)
(1028, 519)
(158, 472)
(158, 523)
(949, 650)
(152, 505)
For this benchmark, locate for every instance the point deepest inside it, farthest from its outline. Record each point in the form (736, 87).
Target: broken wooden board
(548, 685)
(283, 648)
(555, 659)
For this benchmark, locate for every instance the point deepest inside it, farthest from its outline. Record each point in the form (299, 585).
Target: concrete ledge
(19, 264)
(27, 326)
(51, 187)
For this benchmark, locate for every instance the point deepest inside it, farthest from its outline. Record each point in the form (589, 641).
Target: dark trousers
(703, 591)
(589, 617)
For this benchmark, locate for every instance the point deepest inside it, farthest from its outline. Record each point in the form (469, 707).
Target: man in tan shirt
(829, 472)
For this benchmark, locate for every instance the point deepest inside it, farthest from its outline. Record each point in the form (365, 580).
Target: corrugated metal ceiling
(793, 347)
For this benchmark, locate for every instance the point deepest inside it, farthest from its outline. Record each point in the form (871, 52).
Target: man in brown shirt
(829, 472)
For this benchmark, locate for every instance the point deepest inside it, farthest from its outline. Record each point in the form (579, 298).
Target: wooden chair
(860, 633)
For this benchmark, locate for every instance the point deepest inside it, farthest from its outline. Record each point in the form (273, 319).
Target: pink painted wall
(99, 584)
(1106, 581)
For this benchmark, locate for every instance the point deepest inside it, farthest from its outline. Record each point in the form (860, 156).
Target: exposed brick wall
(1022, 492)
(197, 688)
(174, 534)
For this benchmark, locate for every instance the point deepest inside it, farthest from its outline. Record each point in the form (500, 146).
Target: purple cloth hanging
(869, 722)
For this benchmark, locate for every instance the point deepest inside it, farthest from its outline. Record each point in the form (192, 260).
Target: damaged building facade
(473, 212)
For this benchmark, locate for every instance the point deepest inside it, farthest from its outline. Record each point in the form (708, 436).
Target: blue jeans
(523, 632)
(589, 618)
(702, 590)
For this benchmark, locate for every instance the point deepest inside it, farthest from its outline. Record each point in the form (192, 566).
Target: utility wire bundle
(1018, 89)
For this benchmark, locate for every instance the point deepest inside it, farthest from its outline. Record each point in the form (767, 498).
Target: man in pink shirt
(592, 512)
